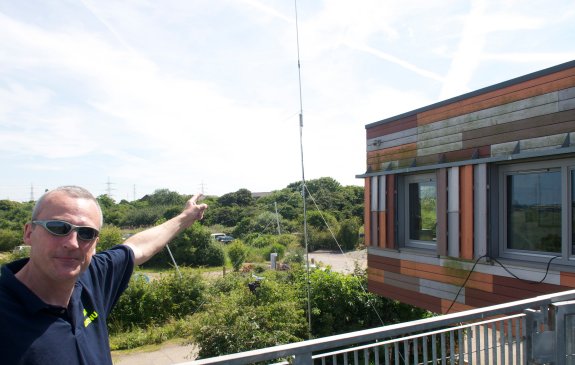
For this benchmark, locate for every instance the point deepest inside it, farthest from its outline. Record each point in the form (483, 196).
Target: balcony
(540, 330)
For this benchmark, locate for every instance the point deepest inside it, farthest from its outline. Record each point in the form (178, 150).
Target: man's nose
(71, 240)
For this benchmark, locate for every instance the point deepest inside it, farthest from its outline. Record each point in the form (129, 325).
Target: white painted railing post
(303, 359)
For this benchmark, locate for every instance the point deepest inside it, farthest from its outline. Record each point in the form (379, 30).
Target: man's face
(62, 258)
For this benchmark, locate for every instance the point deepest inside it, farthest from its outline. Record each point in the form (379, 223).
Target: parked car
(225, 238)
(22, 250)
(216, 235)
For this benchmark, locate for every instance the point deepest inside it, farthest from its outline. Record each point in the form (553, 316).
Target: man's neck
(51, 292)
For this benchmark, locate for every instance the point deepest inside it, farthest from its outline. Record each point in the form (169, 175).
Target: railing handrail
(389, 331)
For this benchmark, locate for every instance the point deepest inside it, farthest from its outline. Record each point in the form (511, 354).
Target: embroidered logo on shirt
(89, 318)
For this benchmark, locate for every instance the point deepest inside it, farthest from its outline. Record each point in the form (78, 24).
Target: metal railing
(520, 332)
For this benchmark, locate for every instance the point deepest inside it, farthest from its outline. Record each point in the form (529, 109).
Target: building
(470, 202)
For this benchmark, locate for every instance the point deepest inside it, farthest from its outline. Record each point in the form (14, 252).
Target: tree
(348, 234)
(242, 198)
(165, 197)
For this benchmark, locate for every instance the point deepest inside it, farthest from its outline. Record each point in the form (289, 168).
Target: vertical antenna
(303, 175)
(31, 192)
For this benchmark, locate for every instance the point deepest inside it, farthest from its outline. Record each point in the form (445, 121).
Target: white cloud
(179, 94)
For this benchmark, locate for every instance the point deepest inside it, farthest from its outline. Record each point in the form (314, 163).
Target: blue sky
(203, 95)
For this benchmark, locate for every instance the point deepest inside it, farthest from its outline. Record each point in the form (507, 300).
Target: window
(420, 194)
(538, 210)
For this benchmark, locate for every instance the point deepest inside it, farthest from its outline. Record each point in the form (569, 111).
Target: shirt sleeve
(109, 274)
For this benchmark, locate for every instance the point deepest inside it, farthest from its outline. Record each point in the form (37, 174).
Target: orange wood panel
(367, 211)
(436, 273)
(420, 300)
(466, 212)
(397, 125)
(549, 83)
(448, 305)
(408, 150)
(568, 279)
(502, 284)
(382, 229)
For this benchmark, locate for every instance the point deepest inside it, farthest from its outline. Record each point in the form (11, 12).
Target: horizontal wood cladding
(408, 279)
(428, 302)
(549, 83)
(556, 123)
(404, 152)
(526, 112)
(568, 279)
(446, 275)
(392, 127)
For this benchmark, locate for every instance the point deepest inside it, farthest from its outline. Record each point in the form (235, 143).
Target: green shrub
(274, 247)
(244, 320)
(10, 239)
(109, 236)
(237, 253)
(153, 302)
(348, 234)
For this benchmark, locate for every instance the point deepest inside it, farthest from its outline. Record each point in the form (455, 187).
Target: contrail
(108, 26)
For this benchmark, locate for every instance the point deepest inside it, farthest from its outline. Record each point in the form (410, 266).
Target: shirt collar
(21, 293)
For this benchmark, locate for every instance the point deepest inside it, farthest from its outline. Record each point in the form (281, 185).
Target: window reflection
(534, 211)
(422, 211)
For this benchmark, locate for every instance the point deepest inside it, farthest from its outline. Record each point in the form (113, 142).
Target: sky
(127, 97)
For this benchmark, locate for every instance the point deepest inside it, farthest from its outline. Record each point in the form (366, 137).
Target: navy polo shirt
(33, 332)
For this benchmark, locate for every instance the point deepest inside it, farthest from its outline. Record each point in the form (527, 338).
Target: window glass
(534, 211)
(422, 211)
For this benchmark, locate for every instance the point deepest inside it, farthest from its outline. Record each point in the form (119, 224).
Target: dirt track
(174, 354)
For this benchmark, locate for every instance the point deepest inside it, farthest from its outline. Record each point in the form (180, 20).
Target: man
(54, 305)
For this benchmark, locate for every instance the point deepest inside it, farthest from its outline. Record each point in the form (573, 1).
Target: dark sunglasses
(63, 228)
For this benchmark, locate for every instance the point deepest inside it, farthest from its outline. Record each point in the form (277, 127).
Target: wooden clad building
(471, 201)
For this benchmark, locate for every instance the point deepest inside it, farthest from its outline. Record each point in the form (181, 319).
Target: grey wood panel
(440, 149)
(441, 290)
(392, 140)
(532, 128)
(533, 144)
(480, 210)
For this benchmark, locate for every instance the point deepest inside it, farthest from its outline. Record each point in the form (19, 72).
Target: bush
(275, 247)
(348, 234)
(109, 236)
(193, 247)
(9, 239)
(237, 252)
(146, 303)
(341, 303)
(243, 320)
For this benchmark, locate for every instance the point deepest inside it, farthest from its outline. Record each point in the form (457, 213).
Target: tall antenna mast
(303, 175)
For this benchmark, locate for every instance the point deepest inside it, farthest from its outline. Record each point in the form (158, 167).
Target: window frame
(566, 167)
(404, 206)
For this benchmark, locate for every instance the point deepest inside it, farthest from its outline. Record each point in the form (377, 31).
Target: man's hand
(193, 210)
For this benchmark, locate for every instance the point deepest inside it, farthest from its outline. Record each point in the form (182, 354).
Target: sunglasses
(63, 228)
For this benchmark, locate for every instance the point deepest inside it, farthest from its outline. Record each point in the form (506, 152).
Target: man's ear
(27, 233)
